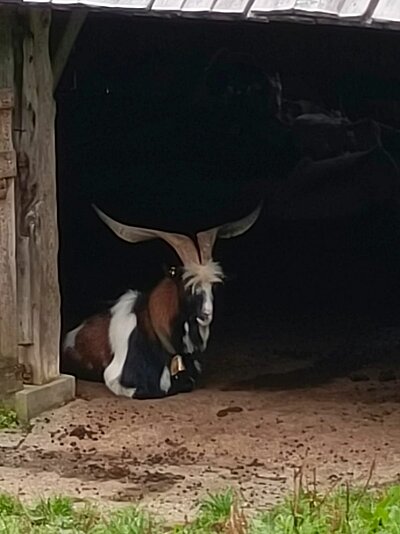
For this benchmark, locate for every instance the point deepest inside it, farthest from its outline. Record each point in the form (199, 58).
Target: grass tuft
(343, 511)
(9, 506)
(8, 419)
(128, 521)
(213, 514)
(346, 511)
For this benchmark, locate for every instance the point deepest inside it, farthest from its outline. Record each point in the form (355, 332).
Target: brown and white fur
(147, 345)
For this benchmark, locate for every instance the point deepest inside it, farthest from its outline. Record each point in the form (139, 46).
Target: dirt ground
(324, 397)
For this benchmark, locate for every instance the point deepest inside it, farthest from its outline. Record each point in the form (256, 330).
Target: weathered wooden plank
(326, 7)
(6, 98)
(231, 7)
(5, 130)
(37, 207)
(387, 10)
(197, 6)
(24, 292)
(167, 5)
(342, 8)
(270, 7)
(7, 154)
(280, 6)
(9, 381)
(354, 8)
(138, 5)
(8, 165)
(10, 377)
(62, 2)
(8, 305)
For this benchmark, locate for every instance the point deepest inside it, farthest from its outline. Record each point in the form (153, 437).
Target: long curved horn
(207, 238)
(183, 245)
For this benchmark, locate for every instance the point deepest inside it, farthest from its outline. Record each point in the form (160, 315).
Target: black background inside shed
(125, 99)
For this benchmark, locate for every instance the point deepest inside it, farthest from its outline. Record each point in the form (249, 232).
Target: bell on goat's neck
(177, 365)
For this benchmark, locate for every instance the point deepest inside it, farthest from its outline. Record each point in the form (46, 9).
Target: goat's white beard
(204, 331)
(204, 334)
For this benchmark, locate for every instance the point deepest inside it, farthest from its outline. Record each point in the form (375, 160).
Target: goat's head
(193, 281)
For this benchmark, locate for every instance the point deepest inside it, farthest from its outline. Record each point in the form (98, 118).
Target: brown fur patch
(92, 351)
(163, 306)
(144, 322)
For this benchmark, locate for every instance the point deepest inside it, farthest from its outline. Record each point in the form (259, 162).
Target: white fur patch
(123, 322)
(207, 308)
(187, 342)
(69, 340)
(165, 380)
(196, 275)
(204, 332)
(197, 364)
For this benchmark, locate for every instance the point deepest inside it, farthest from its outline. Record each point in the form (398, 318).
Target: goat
(147, 345)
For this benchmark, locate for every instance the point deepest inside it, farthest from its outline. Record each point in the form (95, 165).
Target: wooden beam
(37, 242)
(63, 51)
(9, 381)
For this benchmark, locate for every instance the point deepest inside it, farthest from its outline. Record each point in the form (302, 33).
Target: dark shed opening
(139, 134)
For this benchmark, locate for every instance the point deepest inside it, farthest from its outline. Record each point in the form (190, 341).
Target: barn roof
(358, 13)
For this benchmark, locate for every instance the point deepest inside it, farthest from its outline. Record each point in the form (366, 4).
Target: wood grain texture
(9, 380)
(37, 243)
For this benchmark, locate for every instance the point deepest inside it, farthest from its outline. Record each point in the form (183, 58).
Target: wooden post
(9, 379)
(37, 242)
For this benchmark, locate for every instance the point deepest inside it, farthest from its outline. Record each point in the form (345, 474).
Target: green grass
(61, 515)
(213, 513)
(343, 511)
(8, 419)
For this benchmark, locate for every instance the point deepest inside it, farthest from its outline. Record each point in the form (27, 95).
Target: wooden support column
(10, 381)
(37, 232)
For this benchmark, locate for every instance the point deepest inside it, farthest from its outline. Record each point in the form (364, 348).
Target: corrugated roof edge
(380, 14)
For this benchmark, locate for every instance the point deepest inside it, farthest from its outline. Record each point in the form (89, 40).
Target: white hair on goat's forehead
(195, 274)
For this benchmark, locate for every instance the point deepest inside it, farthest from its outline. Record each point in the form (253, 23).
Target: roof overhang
(383, 14)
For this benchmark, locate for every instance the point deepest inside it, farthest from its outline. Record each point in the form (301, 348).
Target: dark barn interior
(142, 135)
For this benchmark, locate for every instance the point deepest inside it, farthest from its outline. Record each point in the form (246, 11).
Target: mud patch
(226, 411)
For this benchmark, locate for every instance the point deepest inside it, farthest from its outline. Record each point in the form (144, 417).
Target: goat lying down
(148, 345)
